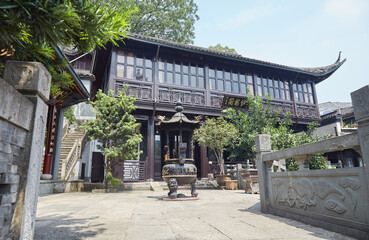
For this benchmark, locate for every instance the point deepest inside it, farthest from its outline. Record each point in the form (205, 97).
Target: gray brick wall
(13, 134)
(23, 114)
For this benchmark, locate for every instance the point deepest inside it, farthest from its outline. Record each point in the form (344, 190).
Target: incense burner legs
(173, 186)
(193, 189)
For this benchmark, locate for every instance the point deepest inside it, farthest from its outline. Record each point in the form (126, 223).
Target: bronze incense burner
(179, 169)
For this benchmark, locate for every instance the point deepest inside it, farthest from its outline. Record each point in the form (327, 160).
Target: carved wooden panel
(284, 108)
(140, 92)
(306, 111)
(216, 101)
(188, 98)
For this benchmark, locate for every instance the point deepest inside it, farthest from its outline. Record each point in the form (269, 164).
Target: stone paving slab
(141, 215)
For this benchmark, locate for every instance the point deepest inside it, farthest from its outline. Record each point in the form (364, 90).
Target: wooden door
(97, 171)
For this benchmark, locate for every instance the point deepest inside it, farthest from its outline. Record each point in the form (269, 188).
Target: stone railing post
(303, 161)
(32, 80)
(63, 169)
(263, 145)
(360, 102)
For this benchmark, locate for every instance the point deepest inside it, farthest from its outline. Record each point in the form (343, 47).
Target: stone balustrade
(334, 199)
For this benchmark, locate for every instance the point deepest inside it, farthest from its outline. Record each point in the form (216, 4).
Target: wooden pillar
(50, 138)
(150, 149)
(204, 162)
(57, 144)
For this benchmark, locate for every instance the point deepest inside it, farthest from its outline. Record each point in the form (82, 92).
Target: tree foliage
(249, 124)
(29, 29)
(217, 134)
(226, 49)
(261, 120)
(69, 114)
(166, 19)
(114, 128)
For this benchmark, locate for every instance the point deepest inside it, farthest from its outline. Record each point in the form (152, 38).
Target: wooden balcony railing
(162, 93)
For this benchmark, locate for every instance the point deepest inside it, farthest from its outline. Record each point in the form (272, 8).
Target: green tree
(261, 120)
(249, 124)
(114, 128)
(217, 134)
(167, 19)
(69, 114)
(30, 28)
(226, 49)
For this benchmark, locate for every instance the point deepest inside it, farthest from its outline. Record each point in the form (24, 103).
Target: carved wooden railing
(172, 95)
(283, 106)
(70, 161)
(335, 199)
(144, 91)
(141, 91)
(305, 110)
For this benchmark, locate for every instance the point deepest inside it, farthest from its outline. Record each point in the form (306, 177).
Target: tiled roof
(316, 71)
(331, 109)
(333, 106)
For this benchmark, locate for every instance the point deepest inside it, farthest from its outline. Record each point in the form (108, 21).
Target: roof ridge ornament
(179, 117)
(339, 57)
(179, 107)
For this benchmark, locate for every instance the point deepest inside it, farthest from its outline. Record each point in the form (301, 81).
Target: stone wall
(334, 199)
(22, 125)
(60, 186)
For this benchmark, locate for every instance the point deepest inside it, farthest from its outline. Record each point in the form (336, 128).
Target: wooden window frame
(125, 65)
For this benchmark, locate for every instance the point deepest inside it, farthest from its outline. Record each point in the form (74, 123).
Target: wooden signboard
(235, 102)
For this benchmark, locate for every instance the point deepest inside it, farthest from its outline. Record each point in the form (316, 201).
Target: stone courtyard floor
(141, 215)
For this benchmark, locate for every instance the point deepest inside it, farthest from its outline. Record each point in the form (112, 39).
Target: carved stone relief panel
(333, 196)
(360, 101)
(262, 143)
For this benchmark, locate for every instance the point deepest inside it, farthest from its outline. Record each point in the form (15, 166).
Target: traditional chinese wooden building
(160, 72)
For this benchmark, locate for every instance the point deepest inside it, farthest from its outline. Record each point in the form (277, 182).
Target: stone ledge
(11, 102)
(31, 76)
(60, 186)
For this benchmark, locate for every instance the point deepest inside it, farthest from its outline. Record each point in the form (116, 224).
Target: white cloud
(247, 16)
(347, 9)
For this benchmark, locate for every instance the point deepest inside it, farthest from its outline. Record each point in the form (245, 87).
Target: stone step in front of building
(149, 186)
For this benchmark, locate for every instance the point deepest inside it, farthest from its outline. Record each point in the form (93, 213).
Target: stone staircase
(67, 145)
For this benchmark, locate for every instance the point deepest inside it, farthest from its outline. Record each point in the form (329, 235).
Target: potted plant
(217, 134)
(114, 182)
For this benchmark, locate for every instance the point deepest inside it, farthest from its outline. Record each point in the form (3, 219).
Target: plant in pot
(217, 134)
(114, 182)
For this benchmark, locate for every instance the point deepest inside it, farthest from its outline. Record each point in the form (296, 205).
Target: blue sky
(307, 33)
